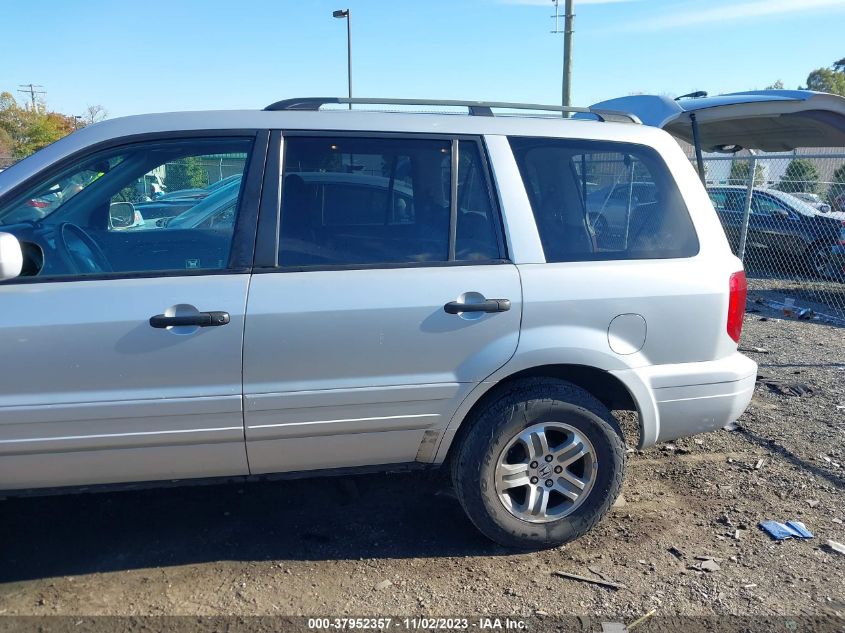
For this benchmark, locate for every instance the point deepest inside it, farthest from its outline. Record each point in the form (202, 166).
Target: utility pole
(566, 76)
(31, 90)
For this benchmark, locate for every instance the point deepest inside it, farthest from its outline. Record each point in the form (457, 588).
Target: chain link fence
(784, 216)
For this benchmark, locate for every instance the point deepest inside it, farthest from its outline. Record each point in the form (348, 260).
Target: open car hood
(766, 120)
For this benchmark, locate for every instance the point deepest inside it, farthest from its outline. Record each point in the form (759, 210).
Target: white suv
(377, 290)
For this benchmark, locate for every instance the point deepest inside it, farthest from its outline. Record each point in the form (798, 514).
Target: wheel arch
(604, 385)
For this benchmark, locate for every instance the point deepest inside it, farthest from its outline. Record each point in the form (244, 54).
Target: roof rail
(476, 108)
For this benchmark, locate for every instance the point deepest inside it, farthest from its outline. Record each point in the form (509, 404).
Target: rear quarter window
(597, 200)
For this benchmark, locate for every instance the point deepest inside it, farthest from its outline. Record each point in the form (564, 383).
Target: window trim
(267, 254)
(242, 248)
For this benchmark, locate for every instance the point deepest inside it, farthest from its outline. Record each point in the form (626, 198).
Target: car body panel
(366, 356)
(90, 388)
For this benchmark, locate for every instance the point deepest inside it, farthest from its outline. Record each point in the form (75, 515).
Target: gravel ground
(400, 544)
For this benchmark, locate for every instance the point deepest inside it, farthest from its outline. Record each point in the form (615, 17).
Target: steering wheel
(79, 251)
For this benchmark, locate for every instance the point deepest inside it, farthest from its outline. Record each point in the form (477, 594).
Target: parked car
(203, 192)
(609, 207)
(813, 199)
(330, 191)
(215, 211)
(783, 229)
(169, 205)
(428, 292)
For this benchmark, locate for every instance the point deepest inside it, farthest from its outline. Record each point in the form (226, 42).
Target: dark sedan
(782, 229)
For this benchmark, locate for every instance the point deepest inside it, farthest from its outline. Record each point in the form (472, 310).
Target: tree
(830, 80)
(837, 188)
(739, 173)
(800, 176)
(778, 85)
(6, 148)
(185, 173)
(94, 114)
(25, 131)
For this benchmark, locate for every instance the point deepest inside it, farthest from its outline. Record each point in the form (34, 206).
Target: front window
(148, 207)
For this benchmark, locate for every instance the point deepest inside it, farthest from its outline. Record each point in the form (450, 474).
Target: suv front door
(350, 355)
(122, 343)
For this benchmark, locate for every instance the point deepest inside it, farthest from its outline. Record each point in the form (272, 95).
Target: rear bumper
(685, 399)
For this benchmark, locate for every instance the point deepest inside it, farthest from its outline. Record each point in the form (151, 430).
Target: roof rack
(476, 108)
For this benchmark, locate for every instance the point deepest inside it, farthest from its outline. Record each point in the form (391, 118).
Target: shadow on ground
(792, 458)
(368, 516)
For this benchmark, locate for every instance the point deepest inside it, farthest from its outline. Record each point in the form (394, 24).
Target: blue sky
(134, 57)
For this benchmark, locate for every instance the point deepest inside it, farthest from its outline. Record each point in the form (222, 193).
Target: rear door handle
(201, 319)
(488, 305)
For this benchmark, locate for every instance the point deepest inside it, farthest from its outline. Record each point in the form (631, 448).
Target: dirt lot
(400, 544)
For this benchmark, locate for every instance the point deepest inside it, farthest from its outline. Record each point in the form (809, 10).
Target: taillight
(736, 304)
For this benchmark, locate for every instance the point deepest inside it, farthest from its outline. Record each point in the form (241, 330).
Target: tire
(819, 261)
(564, 413)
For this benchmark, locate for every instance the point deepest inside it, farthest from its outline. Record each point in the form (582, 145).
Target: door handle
(488, 305)
(201, 319)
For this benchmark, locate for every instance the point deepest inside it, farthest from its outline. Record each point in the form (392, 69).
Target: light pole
(346, 13)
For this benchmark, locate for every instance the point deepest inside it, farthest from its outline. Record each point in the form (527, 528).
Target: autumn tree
(24, 131)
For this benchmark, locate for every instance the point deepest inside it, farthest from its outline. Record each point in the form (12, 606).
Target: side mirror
(121, 215)
(11, 257)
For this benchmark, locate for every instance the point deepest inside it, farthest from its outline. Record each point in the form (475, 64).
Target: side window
(368, 201)
(763, 205)
(595, 200)
(728, 200)
(150, 207)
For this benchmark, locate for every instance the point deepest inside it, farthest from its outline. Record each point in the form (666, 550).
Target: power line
(31, 90)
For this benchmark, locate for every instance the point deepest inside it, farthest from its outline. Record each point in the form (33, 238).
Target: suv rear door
(350, 355)
(765, 120)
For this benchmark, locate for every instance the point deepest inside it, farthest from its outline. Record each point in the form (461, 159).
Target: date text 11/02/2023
(417, 624)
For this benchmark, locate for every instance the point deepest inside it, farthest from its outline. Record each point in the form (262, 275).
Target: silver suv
(368, 289)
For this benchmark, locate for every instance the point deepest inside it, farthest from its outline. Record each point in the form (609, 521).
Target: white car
(813, 199)
(390, 290)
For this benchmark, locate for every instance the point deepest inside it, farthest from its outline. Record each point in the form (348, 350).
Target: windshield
(56, 192)
(218, 202)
